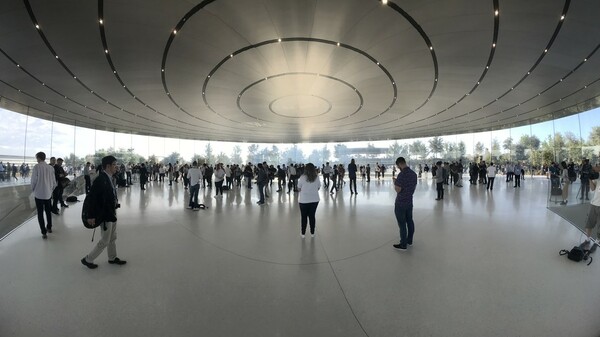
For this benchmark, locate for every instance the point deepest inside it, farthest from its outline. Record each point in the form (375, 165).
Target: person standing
(128, 169)
(143, 176)
(261, 181)
(585, 172)
(194, 175)
(517, 174)
(368, 170)
(86, 176)
(404, 184)
(43, 182)
(352, 176)
(439, 180)
(565, 181)
(593, 217)
(280, 179)
(103, 209)
(219, 177)
(60, 175)
(308, 198)
(291, 178)
(491, 173)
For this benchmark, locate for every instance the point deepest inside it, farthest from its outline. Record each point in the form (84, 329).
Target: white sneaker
(302, 235)
(312, 235)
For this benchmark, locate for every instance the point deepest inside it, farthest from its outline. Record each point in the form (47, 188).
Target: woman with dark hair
(308, 198)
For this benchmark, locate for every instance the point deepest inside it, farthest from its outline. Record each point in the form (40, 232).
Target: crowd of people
(48, 182)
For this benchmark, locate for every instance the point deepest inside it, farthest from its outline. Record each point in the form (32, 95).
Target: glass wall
(538, 144)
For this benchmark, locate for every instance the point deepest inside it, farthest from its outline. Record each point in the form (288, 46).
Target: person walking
(491, 173)
(352, 176)
(103, 209)
(43, 182)
(86, 176)
(308, 198)
(404, 184)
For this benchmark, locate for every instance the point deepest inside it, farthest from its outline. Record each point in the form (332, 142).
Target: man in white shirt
(491, 173)
(194, 175)
(291, 178)
(326, 174)
(228, 177)
(43, 182)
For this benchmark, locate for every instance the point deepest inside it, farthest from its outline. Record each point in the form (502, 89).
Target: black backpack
(85, 209)
(572, 175)
(577, 254)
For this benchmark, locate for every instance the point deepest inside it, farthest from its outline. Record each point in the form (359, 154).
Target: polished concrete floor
(482, 264)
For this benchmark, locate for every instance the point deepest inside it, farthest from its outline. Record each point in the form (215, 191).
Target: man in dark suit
(104, 211)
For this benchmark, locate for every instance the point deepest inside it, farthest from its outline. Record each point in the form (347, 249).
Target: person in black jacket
(103, 210)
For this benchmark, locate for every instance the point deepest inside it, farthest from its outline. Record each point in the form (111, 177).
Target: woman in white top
(491, 173)
(308, 198)
(219, 176)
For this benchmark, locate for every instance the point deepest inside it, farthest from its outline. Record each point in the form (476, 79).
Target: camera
(117, 206)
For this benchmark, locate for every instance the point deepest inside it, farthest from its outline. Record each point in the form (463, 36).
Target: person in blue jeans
(404, 184)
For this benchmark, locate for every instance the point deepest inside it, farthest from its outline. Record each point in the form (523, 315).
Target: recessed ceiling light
(278, 40)
(37, 26)
(545, 50)
(493, 45)
(231, 55)
(338, 44)
(106, 51)
(101, 21)
(384, 2)
(174, 31)
(496, 13)
(430, 47)
(56, 56)
(562, 17)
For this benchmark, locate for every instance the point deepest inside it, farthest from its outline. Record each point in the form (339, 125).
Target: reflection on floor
(483, 263)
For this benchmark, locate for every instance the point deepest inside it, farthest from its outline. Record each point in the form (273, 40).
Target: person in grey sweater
(439, 180)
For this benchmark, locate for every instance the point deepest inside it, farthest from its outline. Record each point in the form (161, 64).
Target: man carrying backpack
(103, 211)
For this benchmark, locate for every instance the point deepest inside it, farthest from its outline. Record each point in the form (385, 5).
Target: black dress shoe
(44, 236)
(64, 206)
(49, 230)
(117, 261)
(55, 211)
(88, 264)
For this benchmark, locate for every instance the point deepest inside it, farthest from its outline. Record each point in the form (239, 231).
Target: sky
(57, 139)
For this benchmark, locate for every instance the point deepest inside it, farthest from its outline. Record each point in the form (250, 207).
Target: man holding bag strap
(104, 209)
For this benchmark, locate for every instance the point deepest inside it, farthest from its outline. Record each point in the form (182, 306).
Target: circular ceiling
(299, 71)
